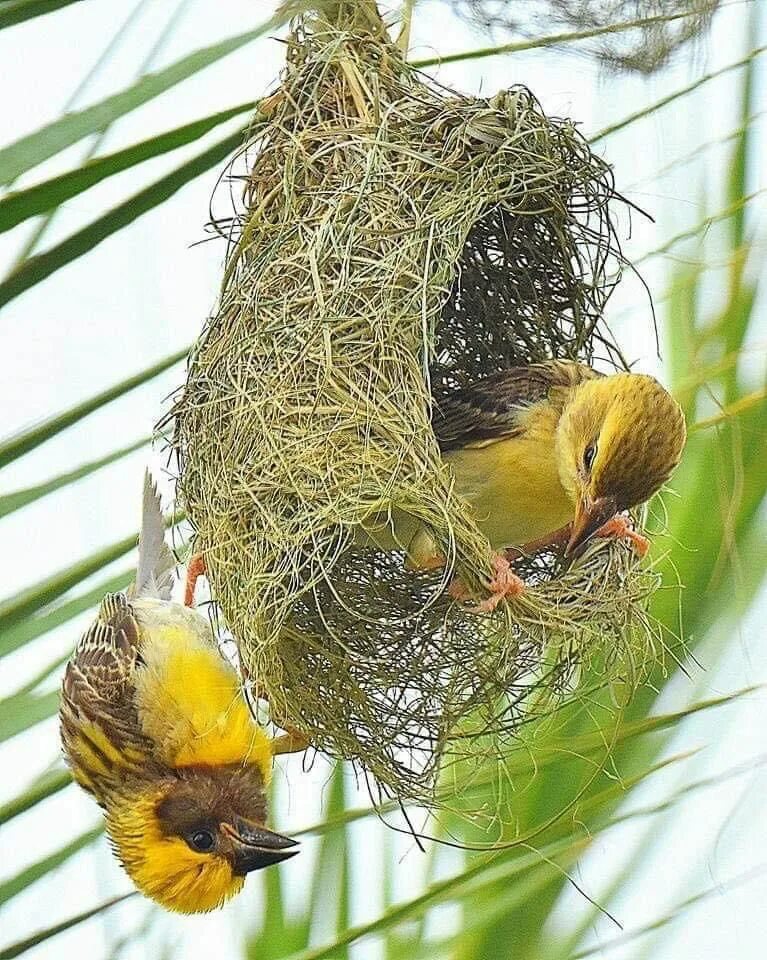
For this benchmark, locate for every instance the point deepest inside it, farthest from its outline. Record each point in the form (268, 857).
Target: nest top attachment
(397, 241)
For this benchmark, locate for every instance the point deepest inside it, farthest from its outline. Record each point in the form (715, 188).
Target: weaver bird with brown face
(155, 726)
(549, 453)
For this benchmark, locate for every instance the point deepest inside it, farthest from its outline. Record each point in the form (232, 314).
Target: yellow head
(619, 440)
(187, 839)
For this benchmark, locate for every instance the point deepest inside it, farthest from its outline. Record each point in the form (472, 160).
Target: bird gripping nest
(397, 241)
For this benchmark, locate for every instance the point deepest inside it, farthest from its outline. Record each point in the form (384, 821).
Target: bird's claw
(194, 570)
(621, 528)
(504, 583)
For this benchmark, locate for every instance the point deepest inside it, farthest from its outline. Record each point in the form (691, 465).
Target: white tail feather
(156, 563)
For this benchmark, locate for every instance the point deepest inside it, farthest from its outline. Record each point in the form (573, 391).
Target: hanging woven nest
(397, 240)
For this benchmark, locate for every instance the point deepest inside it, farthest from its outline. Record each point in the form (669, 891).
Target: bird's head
(189, 842)
(618, 441)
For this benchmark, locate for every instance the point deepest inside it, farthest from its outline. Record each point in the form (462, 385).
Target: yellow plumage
(548, 453)
(155, 725)
(174, 875)
(514, 484)
(189, 698)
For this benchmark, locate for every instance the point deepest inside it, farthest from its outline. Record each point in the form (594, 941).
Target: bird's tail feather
(156, 563)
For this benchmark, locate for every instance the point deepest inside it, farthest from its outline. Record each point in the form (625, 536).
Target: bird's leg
(293, 741)
(195, 569)
(504, 583)
(621, 528)
(457, 588)
(558, 538)
(422, 555)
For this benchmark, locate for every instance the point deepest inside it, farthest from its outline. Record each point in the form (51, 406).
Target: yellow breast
(514, 484)
(189, 698)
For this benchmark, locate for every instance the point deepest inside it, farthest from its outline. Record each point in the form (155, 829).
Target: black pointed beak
(256, 847)
(590, 515)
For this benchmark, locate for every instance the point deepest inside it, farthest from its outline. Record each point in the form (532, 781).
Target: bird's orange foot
(505, 583)
(194, 571)
(620, 528)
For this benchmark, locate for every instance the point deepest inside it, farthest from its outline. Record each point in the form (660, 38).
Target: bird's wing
(489, 409)
(156, 563)
(98, 682)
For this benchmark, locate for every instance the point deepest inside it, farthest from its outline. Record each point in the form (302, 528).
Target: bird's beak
(256, 847)
(590, 515)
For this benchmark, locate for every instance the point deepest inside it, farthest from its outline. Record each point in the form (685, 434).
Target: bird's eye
(588, 456)
(201, 840)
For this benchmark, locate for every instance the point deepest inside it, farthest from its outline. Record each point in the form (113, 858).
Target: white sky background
(146, 291)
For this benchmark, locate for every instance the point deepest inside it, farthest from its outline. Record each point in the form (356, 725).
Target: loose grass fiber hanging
(397, 240)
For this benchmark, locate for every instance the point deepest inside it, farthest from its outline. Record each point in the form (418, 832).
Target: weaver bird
(155, 726)
(549, 453)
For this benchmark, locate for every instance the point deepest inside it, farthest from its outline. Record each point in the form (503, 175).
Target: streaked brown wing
(98, 682)
(488, 409)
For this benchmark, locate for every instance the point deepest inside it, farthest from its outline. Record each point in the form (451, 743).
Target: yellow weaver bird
(549, 453)
(154, 725)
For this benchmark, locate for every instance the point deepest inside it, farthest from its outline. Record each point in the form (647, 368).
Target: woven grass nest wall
(397, 240)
